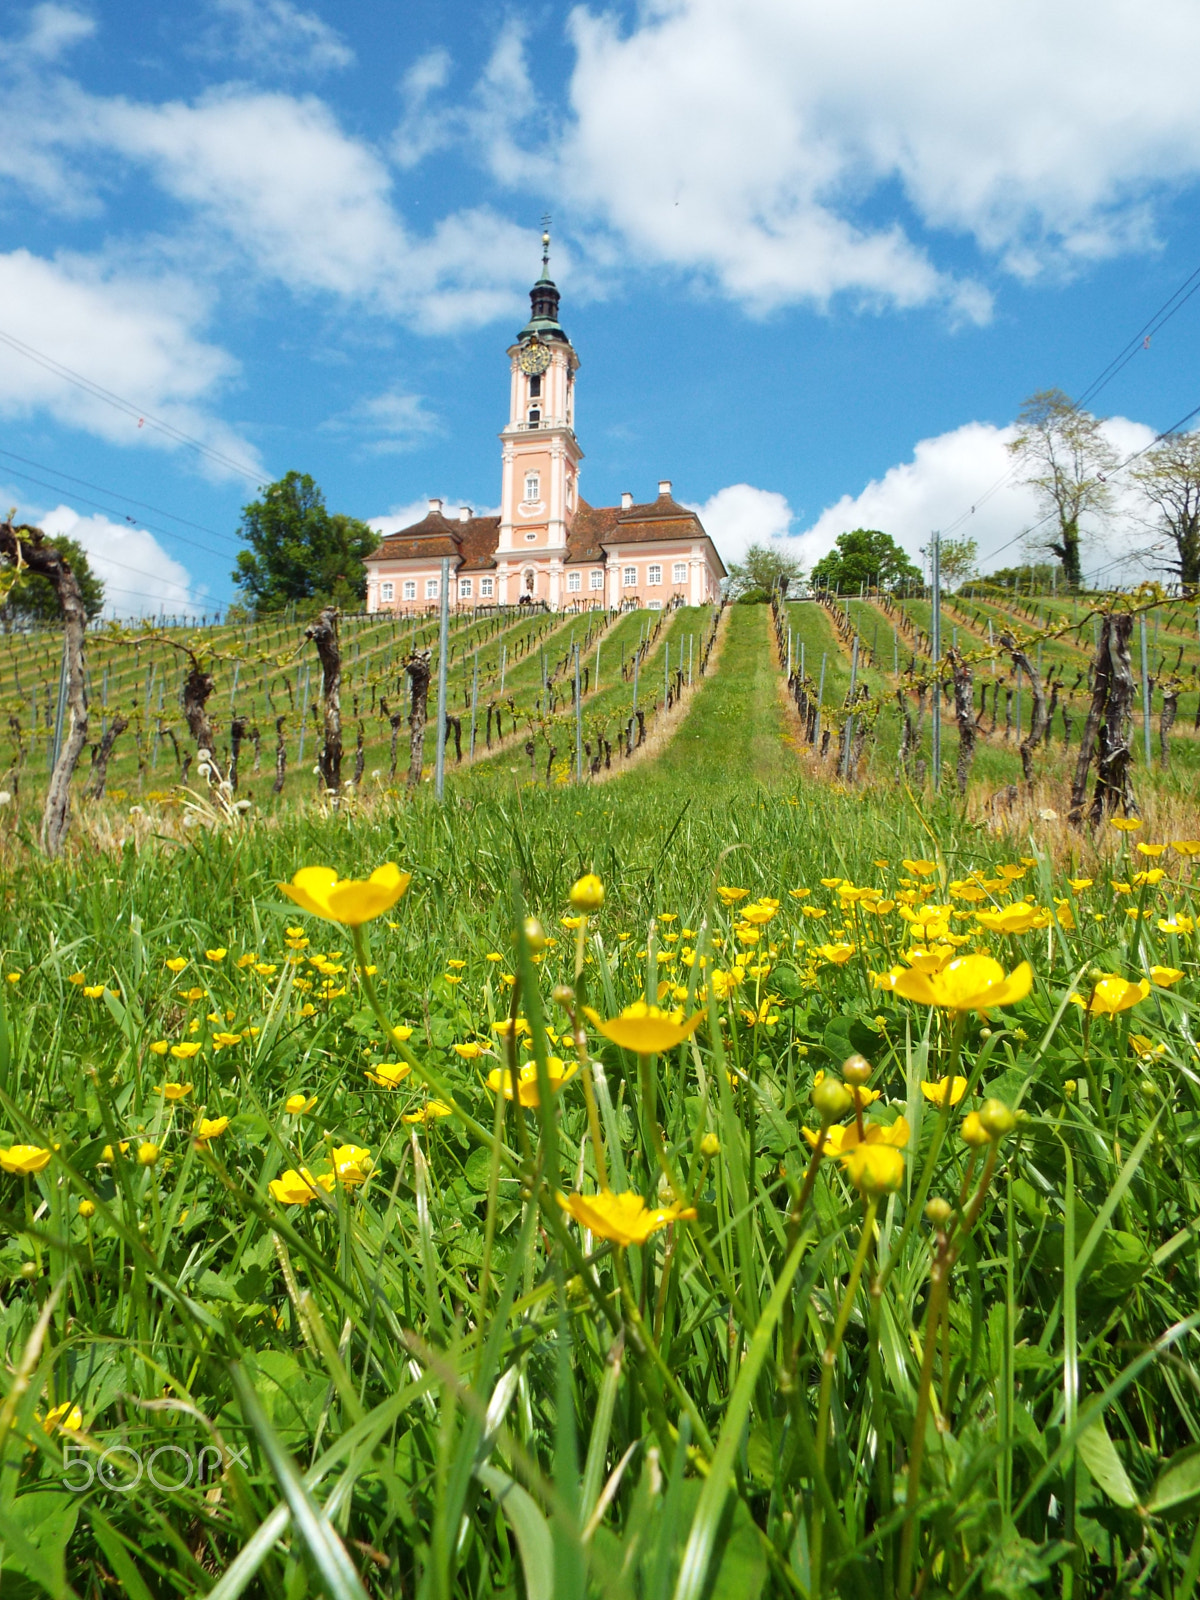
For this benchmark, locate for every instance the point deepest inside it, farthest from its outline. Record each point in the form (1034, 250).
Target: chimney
(626, 500)
(664, 488)
(464, 513)
(435, 506)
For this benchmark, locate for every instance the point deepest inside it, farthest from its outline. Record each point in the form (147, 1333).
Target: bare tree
(1062, 453)
(1168, 478)
(25, 547)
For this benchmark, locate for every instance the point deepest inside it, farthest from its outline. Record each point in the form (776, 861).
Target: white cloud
(277, 35)
(386, 424)
(422, 130)
(403, 516)
(53, 29)
(791, 150)
(740, 515)
(971, 467)
(140, 578)
(128, 335)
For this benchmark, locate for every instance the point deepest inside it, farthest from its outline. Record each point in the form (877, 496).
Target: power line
(142, 417)
(27, 461)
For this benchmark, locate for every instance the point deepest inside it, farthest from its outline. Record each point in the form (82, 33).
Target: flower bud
(563, 994)
(147, 1154)
(535, 935)
(996, 1119)
(29, 1270)
(857, 1070)
(939, 1212)
(1070, 1086)
(831, 1099)
(587, 893)
(973, 1131)
(87, 1208)
(710, 1145)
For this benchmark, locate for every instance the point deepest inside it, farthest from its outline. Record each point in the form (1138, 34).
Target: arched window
(529, 580)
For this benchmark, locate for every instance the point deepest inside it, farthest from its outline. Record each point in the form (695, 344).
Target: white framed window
(629, 577)
(653, 605)
(487, 587)
(410, 588)
(679, 572)
(574, 581)
(431, 588)
(535, 417)
(596, 578)
(653, 573)
(533, 486)
(465, 588)
(387, 591)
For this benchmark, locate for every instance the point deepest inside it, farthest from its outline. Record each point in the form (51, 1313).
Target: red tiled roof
(474, 542)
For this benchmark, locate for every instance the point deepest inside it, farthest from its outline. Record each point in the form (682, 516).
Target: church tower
(539, 492)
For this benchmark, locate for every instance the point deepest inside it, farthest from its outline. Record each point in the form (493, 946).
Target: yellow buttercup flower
(185, 1052)
(298, 1105)
(646, 1029)
(173, 1091)
(874, 1169)
(218, 954)
(921, 869)
(840, 1140)
(160, 1046)
(469, 1051)
(1186, 847)
(1150, 878)
(1112, 994)
(1125, 824)
(93, 990)
(838, 954)
(387, 1074)
(1078, 885)
(1164, 977)
(624, 1219)
(1149, 849)
(1016, 918)
(730, 896)
(1144, 1048)
(799, 894)
(66, 1416)
(587, 893)
(429, 1112)
(351, 1164)
(148, 1154)
(176, 963)
(350, 902)
(296, 1188)
(211, 1128)
(968, 983)
(500, 1080)
(1178, 924)
(78, 979)
(25, 1159)
(937, 1092)
(224, 1041)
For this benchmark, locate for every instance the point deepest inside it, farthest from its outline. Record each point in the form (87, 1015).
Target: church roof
(473, 543)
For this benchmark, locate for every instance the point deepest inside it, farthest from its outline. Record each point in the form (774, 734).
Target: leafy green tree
(1063, 455)
(760, 570)
(1038, 577)
(958, 560)
(30, 601)
(301, 552)
(865, 556)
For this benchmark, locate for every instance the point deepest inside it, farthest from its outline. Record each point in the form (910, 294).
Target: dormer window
(533, 483)
(535, 386)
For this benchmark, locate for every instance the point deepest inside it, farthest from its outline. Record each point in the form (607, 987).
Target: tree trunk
(197, 687)
(237, 732)
(418, 669)
(360, 757)
(280, 757)
(99, 777)
(25, 546)
(324, 634)
(1166, 720)
(1113, 784)
(1038, 721)
(964, 711)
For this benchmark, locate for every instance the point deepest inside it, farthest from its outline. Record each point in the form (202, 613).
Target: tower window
(535, 417)
(533, 486)
(535, 385)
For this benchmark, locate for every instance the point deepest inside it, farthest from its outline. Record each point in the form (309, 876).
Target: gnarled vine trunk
(419, 672)
(324, 634)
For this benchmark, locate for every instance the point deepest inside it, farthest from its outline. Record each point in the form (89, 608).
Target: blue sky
(813, 258)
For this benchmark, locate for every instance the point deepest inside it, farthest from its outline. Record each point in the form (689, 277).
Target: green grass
(433, 1382)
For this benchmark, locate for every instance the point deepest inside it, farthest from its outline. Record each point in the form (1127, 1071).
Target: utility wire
(142, 417)
(27, 461)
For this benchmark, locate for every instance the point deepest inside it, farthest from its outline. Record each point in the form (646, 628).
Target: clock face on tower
(534, 358)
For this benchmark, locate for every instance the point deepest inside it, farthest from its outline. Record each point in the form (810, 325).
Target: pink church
(547, 544)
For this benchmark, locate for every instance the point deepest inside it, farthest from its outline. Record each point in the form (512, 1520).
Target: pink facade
(547, 544)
